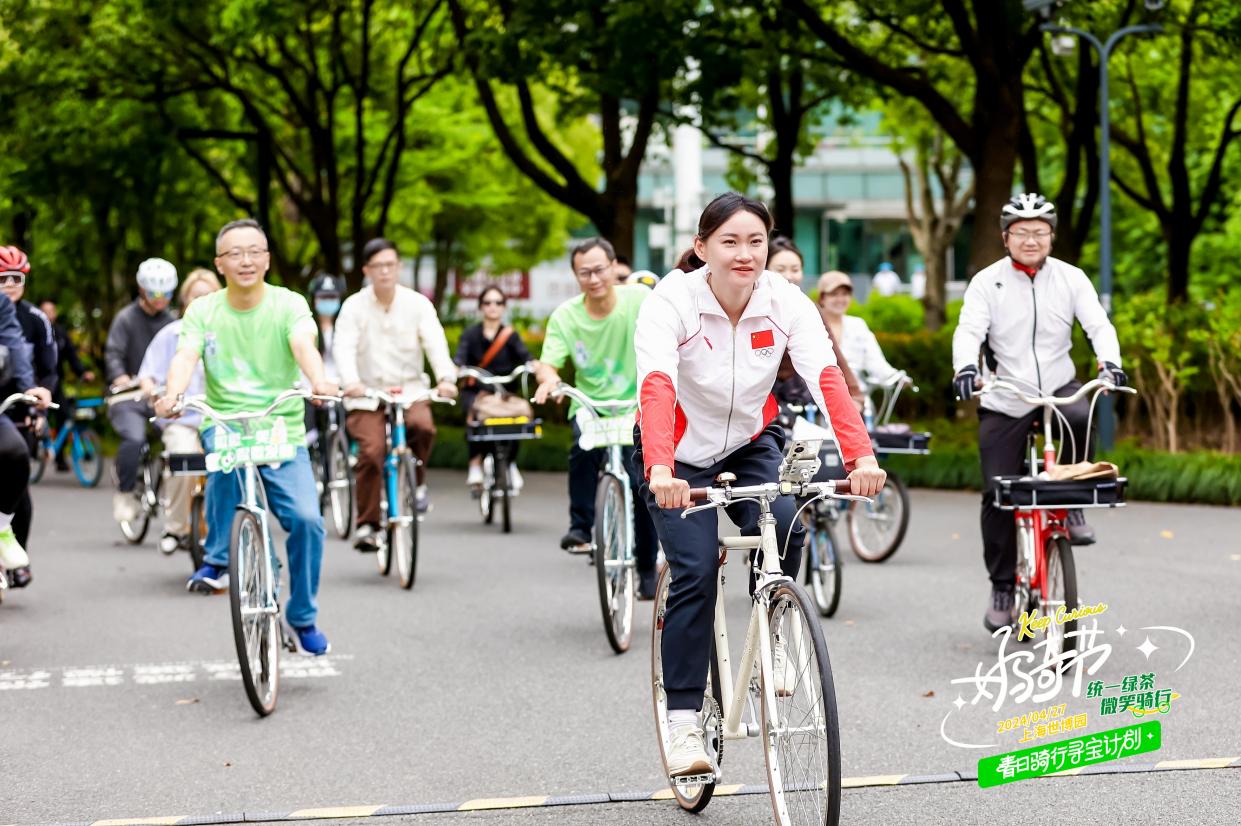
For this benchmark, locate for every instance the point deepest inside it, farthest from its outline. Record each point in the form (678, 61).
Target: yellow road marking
(502, 803)
(335, 812)
(729, 789)
(662, 794)
(872, 780)
(140, 821)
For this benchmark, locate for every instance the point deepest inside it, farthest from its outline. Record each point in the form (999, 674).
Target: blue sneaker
(208, 580)
(310, 640)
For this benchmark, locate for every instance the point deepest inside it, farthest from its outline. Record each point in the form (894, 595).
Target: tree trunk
(934, 301)
(1180, 239)
(780, 172)
(618, 225)
(993, 166)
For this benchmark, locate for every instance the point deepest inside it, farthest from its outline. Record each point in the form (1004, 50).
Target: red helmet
(13, 260)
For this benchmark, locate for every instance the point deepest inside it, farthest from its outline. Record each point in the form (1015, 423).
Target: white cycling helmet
(1028, 206)
(155, 275)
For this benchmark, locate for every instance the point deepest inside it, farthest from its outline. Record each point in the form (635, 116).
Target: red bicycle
(1046, 571)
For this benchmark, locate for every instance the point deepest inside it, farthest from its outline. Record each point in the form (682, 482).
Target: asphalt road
(492, 678)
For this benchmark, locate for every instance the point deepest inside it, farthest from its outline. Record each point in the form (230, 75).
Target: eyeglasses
(1037, 235)
(235, 256)
(387, 266)
(493, 303)
(154, 295)
(15, 279)
(586, 275)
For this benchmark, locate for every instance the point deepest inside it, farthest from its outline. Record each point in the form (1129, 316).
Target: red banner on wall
(514, 284)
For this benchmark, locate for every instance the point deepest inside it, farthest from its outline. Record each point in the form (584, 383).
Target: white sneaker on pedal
(124, 507)
(515, 480)
(12, 554)
(474, 478)
(785, 677)
(687, 753)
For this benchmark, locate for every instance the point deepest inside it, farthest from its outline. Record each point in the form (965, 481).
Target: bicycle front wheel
(198, 529)
(145, 492)
(1059, 588)
(877, 528)
(823, 571)
(256, 619)
(614, 564)
(403, 532)
(486, 493)
(339, 484)
(691, 796)
(800, 725)
(38, 461)
(87, 458)
(505, 492)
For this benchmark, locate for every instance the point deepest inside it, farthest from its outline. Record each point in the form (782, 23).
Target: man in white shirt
(886, 282)
(383, 334)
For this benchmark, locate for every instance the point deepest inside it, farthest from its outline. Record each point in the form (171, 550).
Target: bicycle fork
(250, 502)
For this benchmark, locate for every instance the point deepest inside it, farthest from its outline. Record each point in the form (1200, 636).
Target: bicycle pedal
(683, 780)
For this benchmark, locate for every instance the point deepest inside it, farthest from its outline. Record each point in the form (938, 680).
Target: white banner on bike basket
(605, 431)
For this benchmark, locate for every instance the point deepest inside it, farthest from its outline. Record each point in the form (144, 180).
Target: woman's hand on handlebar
(867, 477)
(165, 407)
(669, 491)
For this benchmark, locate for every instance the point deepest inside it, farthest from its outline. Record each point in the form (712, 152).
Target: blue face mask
(327, 306)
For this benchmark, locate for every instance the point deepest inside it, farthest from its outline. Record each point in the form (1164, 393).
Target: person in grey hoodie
(128, 337)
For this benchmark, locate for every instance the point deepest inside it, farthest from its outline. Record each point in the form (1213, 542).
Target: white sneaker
(168, 543)
(124, 507)
(515, 480)
(366, 539)
(474, 478)
(687, 753)
(785, 676)
(12, 554)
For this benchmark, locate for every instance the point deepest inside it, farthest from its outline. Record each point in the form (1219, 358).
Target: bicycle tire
(403, 534)
(1059, 554)
(614, 568)
(257, 634)
(38, 461)
(338, 485)
(823, 569)
(198, 530)
(505, 493)
(689, 798)
(486, 493)
(869, 543)
(135, 530)
(87, 458)
(800, 797)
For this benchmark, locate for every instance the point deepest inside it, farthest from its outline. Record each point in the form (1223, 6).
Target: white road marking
(105, 676)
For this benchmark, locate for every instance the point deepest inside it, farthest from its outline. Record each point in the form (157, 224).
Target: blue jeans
(294, 501)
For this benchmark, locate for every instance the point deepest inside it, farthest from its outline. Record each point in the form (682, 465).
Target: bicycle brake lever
(696, 508)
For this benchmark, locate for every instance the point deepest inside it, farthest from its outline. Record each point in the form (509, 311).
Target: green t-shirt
(246, 355)
(602, 349)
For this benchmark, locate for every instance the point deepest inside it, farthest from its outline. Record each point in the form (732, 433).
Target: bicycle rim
(135, 530)
(256, 623)
(505, 493)
(340, 486)
(1060, 588)
(696, 797)
(87, 460)
(485, 497)
(801, 729)
(876, 529)
(823, 572)
(404, 535)
(198, 530)
(614, 566)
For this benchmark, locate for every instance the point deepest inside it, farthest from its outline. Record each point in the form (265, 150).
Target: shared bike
(782, 693)
(501, 434)
(333, 467)
(1046, 571)
(78, 437)
(243, 442)
(609, 424)
(398, 494)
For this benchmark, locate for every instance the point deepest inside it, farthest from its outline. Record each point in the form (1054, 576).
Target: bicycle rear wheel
(38, 460)
(87, 458)
(256, 615)
(339, 485)
(486, 493)
(403, 533)
(691, 797)
(877, 528)
(505, 492)
(614, 565)
(800, 725)
(1059, 588)
(198, 529)
(823, 570)
(146, 491)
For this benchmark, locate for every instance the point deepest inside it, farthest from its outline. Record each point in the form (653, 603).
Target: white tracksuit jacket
(1028, 323)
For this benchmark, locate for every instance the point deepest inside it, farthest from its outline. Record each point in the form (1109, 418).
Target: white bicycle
(794, 711)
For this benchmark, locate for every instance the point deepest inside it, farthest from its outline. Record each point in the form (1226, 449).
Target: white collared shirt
(386, 347)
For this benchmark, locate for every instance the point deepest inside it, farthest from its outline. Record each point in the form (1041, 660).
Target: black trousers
(15, 478)
(1002, 442)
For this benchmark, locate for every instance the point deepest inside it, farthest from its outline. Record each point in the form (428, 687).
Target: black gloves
(963, 382)
(1110, 372)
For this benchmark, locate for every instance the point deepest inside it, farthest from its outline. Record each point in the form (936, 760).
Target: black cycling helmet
(327, 283)
(1028, 206)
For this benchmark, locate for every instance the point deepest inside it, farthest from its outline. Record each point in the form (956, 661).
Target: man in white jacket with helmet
(1022, 308)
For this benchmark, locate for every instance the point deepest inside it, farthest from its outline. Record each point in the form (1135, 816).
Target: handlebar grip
(842, 487)
(697, 495)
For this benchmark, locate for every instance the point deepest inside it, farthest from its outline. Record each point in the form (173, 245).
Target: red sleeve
(846, 421)
(657, 405)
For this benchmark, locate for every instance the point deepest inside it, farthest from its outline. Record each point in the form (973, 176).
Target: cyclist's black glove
(1110, 372)
(963, 382)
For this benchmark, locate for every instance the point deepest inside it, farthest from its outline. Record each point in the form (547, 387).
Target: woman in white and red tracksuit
(709, 343)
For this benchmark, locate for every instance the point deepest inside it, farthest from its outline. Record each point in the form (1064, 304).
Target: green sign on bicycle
(266, 442)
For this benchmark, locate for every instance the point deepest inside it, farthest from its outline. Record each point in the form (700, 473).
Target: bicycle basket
(902, 441)
(1029, 493)
(186, 464)
(85, 414)
(504, 429)
(605, 431)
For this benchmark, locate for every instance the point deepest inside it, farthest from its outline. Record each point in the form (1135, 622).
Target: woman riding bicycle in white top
(709, 343)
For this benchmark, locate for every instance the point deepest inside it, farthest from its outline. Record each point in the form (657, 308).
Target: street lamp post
(1107, 421)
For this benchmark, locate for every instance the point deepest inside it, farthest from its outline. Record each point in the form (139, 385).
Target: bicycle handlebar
(770, 490)
(484, 377)
(593, 405)
(199, 403)
(22, 397)
(388, 398)
(999, 384)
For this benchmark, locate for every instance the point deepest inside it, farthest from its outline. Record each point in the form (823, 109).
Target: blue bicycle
(79, 437)
(398, 500)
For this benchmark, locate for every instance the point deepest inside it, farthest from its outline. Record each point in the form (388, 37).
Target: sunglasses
(491, 302)
(12, 278)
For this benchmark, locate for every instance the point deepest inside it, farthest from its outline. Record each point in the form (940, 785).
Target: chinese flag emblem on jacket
(761, 339)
